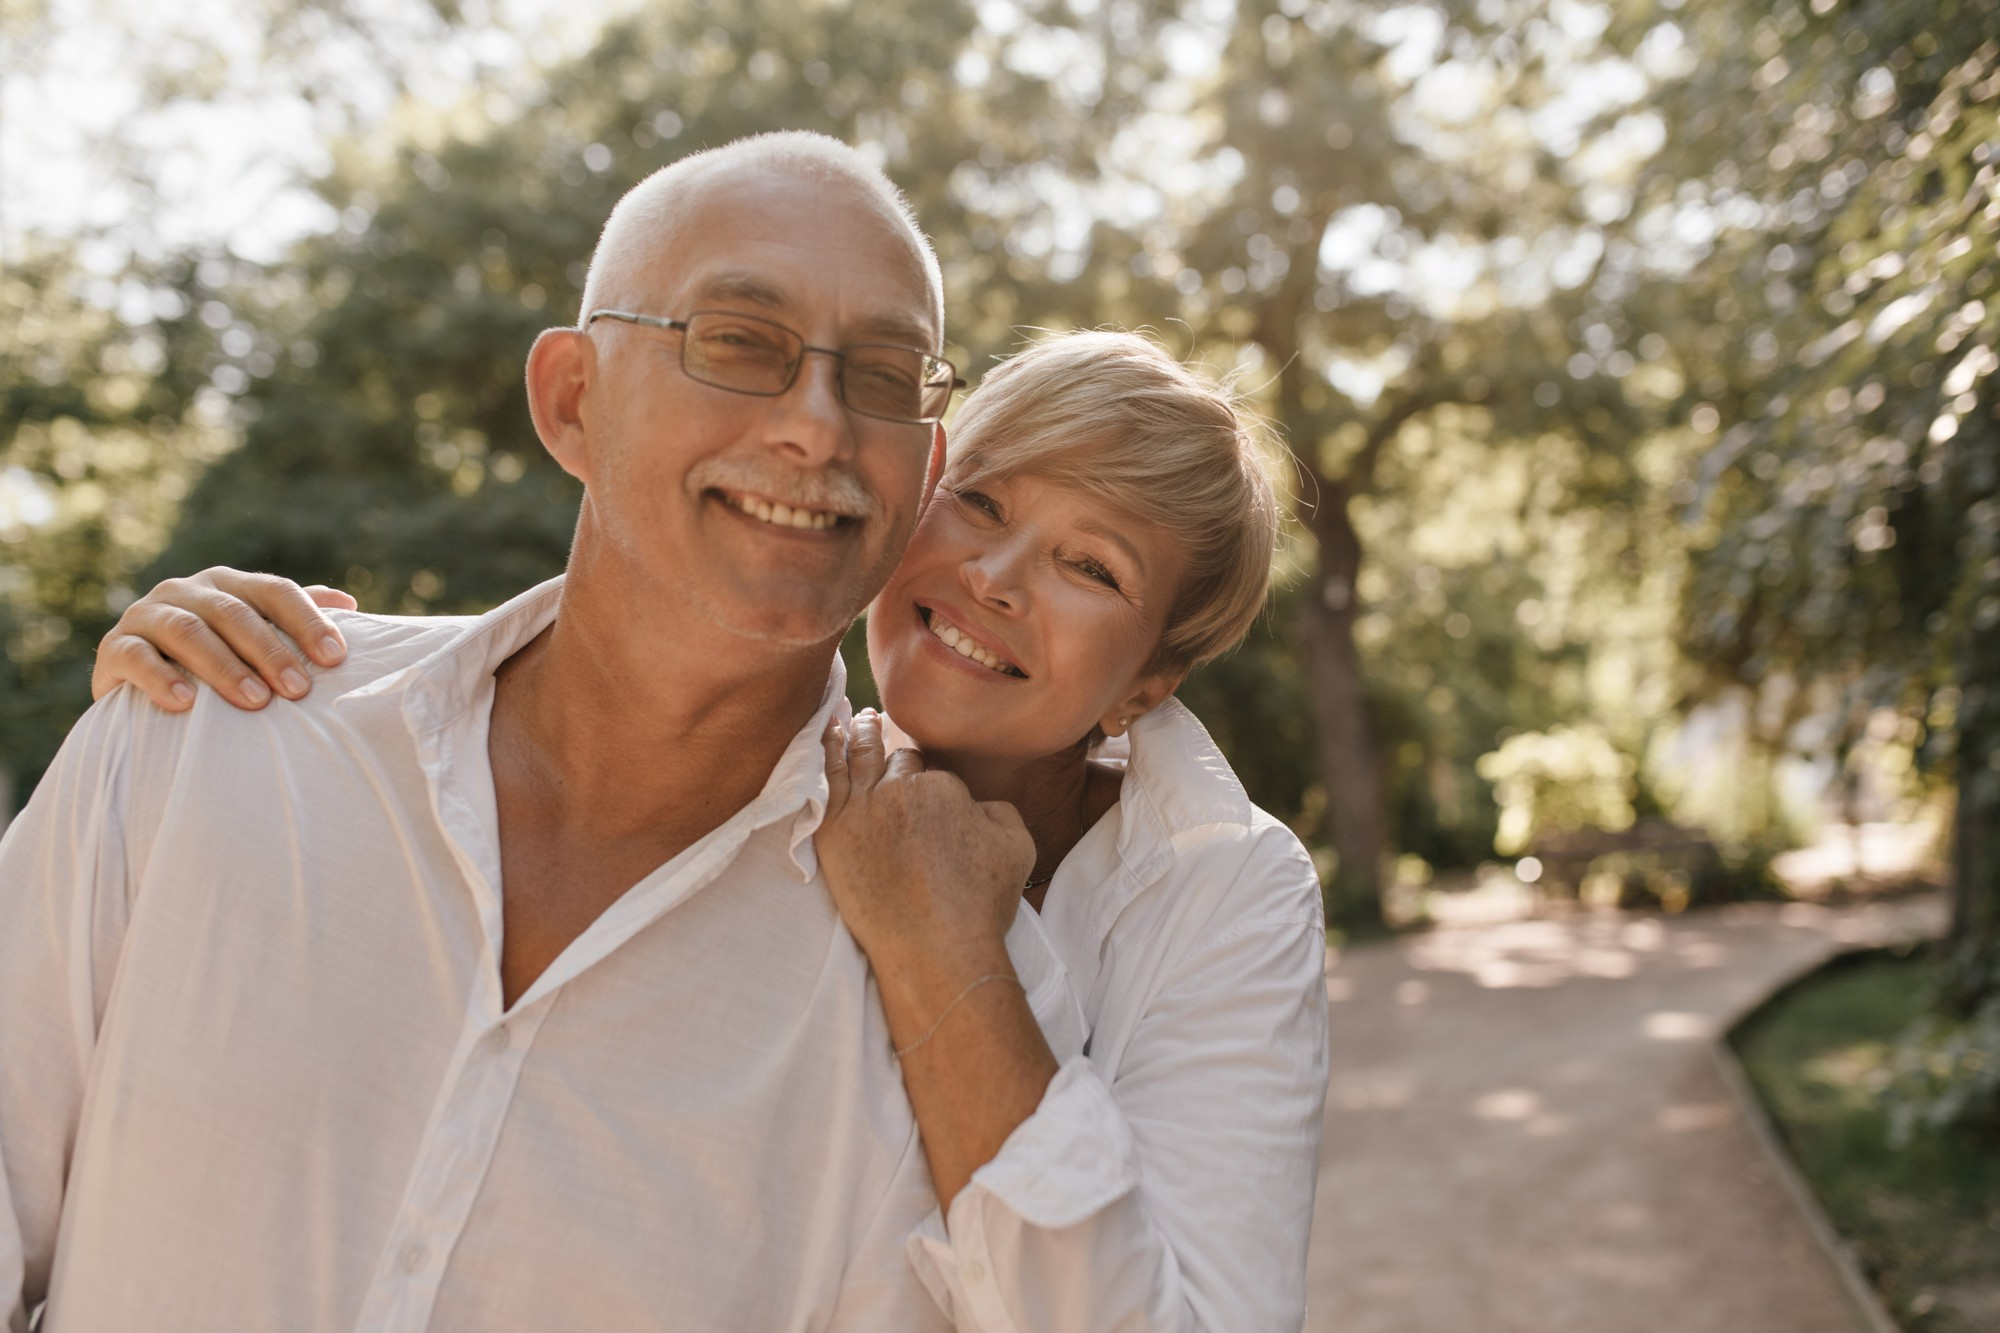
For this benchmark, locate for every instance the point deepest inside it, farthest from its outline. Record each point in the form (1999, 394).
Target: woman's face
(1023, 615)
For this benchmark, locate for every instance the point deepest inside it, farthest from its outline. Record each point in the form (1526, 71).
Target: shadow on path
(1526, 1129)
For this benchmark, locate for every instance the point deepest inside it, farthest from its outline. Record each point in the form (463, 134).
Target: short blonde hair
(1116, 416)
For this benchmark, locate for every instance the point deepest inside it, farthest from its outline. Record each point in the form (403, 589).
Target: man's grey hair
(650, 209)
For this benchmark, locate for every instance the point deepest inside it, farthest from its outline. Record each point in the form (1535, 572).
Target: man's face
(778, 518)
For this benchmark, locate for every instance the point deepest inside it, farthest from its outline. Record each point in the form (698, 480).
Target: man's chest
(317, 1038)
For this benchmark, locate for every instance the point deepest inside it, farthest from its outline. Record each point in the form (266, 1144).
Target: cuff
(1073, 1157)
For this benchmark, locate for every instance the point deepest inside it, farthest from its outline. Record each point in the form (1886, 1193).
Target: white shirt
(1166, 1180)
(255, 1073)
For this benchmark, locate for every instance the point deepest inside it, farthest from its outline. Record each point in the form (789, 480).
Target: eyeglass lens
(751, 355)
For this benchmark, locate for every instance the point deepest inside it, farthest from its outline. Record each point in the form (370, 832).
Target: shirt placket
(451, 1165)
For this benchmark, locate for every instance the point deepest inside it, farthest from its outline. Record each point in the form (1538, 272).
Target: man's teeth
(962, 644)
(783, 515)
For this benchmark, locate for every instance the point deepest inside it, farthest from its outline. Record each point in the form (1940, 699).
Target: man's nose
(809, 419)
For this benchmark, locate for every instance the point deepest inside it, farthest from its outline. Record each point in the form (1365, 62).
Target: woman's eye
(1091, 569)
(979, 500)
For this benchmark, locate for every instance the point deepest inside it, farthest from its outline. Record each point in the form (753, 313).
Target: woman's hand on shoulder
(918, 869)
(218, 626)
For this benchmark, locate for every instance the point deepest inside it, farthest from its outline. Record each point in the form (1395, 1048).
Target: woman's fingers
(1018, 843)
(331, 598)
(834, 741)
(288, 606)
(905, 763)
(865, 760)
(153, 629)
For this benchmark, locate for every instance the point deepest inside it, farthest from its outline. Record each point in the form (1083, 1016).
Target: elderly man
(275, 1049)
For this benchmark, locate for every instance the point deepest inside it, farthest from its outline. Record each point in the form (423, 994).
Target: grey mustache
(835, 491)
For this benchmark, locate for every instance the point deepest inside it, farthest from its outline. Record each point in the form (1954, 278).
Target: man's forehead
(792, 248)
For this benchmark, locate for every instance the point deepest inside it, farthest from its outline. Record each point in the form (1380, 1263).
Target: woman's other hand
(919, 870)
(219, 627)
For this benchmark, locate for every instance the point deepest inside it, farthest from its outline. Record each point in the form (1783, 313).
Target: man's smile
(781, 515)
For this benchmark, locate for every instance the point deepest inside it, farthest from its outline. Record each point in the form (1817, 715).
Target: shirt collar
(1176, 780)
(438, 687)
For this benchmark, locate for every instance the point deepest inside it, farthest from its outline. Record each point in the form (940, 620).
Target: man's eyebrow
(742, 287)
(749, 288)
(897, 329)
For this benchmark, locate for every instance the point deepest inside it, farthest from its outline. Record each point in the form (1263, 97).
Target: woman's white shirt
(1166, 1179)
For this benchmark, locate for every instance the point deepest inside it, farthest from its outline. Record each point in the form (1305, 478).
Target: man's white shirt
(255, 1072)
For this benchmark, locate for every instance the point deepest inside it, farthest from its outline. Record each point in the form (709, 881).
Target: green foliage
(105, 420)
(1565, 779)
(1923, 1217)
(1947, 1076)
(1850, 506)
(1675, 426)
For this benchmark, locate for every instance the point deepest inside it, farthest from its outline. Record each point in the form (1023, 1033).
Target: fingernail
(255, 691)
(331, 650)
(182, 692)
(295, 684)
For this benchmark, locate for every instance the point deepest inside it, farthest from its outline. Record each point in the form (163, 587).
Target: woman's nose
(994, 576)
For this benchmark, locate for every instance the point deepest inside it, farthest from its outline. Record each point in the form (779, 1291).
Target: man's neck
(626, 708)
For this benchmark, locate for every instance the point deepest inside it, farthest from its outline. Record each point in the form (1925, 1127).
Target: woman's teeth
(783, 515)
(962, 643)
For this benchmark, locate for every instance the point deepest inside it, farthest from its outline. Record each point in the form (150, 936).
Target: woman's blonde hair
(1116, 416)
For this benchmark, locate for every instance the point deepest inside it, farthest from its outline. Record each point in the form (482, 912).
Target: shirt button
(975, 1272)
(414, 1258)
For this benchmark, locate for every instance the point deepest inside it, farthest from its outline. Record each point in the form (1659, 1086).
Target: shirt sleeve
(1177, 1196)
(65, 894)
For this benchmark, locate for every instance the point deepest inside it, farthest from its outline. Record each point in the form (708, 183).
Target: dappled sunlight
(1523, 1107)
(1669, 1025)
(1531, 954)
(1507, 1104)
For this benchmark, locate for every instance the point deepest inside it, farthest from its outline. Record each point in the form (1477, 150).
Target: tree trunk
(1350, 767)
(1974, 942)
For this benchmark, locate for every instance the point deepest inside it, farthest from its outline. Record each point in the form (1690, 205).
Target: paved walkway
(1526, 1130)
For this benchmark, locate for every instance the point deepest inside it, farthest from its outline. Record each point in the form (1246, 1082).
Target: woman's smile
(1026, 615)
(953, 628)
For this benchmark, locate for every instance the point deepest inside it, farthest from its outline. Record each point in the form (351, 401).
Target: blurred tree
(106, 418)
(1255, 183)
(1419, 273)
(1839, 184)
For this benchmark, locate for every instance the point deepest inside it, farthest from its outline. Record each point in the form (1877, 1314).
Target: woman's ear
(1147, 693)
(560, 368)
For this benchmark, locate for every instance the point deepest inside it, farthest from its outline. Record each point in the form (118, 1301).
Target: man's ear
(934, 470)
(561, 365)
(1146, 694)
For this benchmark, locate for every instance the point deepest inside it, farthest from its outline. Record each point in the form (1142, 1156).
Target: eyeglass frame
(838, 354)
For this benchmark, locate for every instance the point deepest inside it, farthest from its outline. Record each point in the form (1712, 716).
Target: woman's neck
(1059, 797)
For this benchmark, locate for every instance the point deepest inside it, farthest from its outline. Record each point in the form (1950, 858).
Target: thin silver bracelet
(938, 1022)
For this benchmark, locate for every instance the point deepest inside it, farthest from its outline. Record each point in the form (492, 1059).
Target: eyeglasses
(746, 354)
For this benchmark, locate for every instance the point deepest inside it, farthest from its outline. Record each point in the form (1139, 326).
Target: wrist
(917, 985)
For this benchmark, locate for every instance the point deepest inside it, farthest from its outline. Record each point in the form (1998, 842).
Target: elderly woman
(1122, 1110)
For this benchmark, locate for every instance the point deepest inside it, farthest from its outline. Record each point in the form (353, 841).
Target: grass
(1923, 1220)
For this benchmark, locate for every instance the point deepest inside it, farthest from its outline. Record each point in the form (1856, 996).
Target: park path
(1526, 1129)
